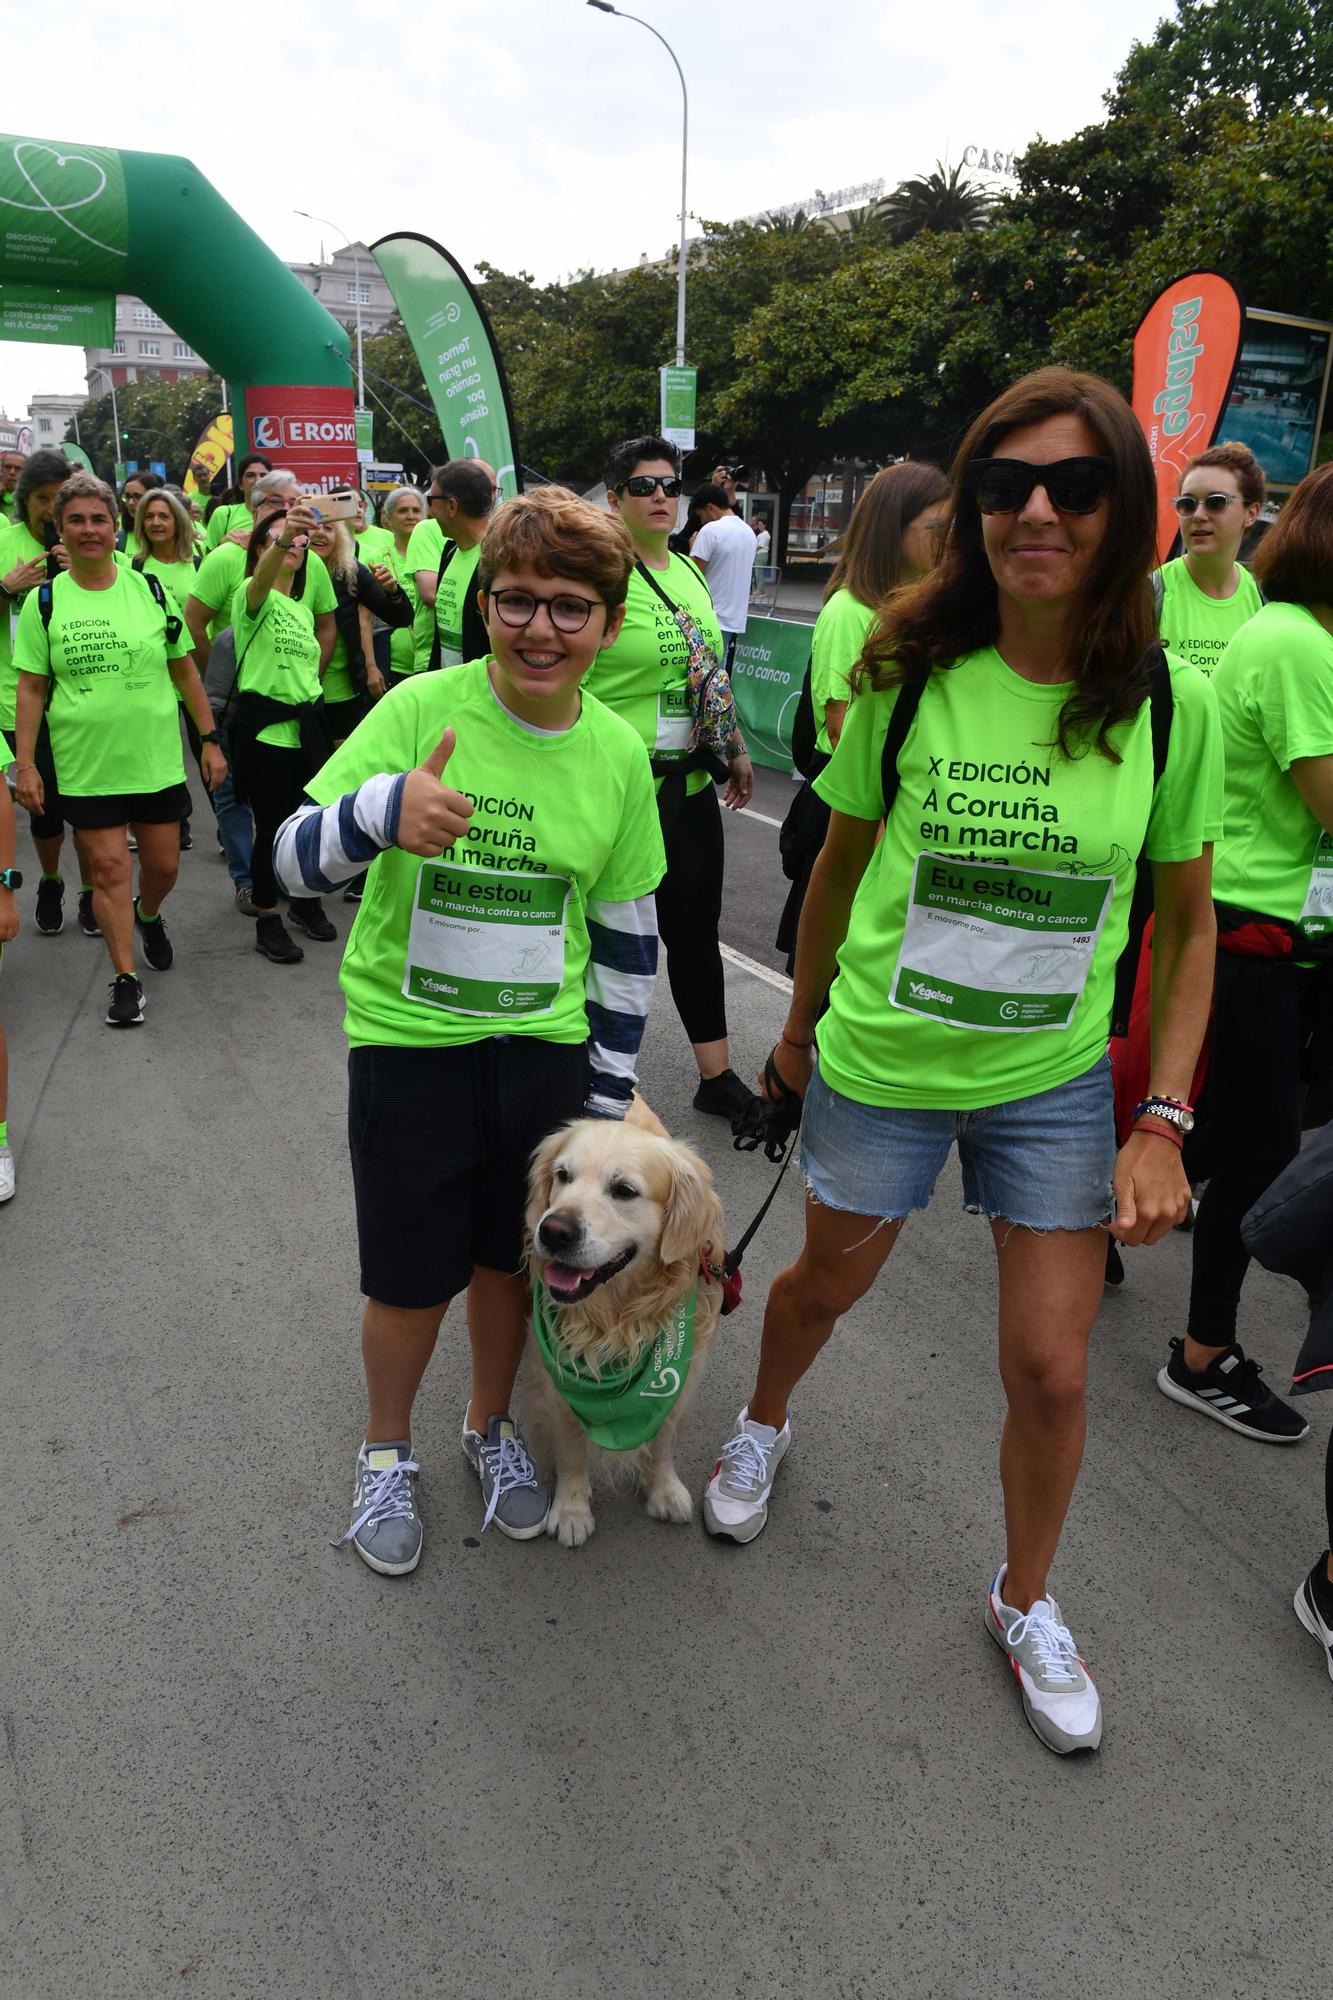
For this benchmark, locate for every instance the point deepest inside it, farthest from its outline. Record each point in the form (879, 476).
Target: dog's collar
(730, 1281)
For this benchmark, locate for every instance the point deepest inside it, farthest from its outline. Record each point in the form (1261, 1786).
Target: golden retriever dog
(619, 1218)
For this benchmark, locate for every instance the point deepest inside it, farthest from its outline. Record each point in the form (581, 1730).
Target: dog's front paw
(571, 1519)
(670, 1501)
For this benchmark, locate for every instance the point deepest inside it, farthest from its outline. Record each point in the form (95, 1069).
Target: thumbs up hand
(432, 817)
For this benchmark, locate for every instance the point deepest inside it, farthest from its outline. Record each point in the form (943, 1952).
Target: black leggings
(1249, 1122)
(689, 909)
(273, 782)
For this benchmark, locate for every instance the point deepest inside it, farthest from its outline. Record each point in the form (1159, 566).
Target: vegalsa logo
(919, 990)
(300, 433)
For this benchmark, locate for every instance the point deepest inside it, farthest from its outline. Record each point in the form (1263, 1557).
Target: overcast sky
(541, 134)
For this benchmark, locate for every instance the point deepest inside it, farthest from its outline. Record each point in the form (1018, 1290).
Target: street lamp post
(605, 7)
(360, 349)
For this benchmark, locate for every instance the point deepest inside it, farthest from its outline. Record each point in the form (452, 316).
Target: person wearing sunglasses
(644, 676)
(1204, 596)
(1273, 889)
(497, 980)
(442, 557)
(975, 948)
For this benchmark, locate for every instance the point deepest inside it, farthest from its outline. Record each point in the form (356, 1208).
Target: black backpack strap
(137, 563)
(1162, 705)
(173, 623)
(900, 722)
(44, 601)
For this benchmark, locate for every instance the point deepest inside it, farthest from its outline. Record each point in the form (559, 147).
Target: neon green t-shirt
(645, 675)
(277, 655)
(228, 520)
(112, 708)
(979, 963)
(372, 543)
(835, 647)
(1196, 627)
(177, 578)
(492, 938)
(1274, 687)
(424, 548)
(402, 638)
(18, 544)
(451, 598)
(218, 574)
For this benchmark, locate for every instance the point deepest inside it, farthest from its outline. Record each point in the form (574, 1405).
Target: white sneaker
(6, 1174)
(736, 1497)
(1059, 1698)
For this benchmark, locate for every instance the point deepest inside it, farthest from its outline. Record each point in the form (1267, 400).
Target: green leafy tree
(944, 201)
(1273, 55)
(158, 420)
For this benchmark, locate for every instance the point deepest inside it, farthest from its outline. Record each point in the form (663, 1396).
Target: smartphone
(343, 505)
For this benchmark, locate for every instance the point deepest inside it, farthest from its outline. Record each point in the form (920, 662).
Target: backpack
(476, 639)
(1162, 706)
(171, 619)
(804, 735)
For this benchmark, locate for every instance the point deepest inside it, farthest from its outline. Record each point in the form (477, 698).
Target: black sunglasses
(641, 487)
(1187, 504)
(1072, 485)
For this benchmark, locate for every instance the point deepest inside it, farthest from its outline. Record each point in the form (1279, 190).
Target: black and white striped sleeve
(621, 970)
(321, 846)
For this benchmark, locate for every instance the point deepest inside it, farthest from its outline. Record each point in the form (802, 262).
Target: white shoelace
(1053, 1643)
(746, 1462)
(509, 1467)
(388, 1497)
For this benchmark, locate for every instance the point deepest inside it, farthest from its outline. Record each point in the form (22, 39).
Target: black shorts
(440, 1142)
(343, 716)
(127, 808)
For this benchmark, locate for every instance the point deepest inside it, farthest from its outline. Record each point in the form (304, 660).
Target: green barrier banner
(766, 674)
(69, 318)
(62, 211)
(452, 340)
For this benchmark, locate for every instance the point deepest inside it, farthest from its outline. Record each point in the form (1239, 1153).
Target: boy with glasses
(497, 980)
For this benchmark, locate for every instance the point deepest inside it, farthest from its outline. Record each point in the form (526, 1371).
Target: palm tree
(942, 201)
(794, 224)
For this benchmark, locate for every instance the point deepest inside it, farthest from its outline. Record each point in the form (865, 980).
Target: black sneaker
(307, 913)
(273, 939)
(723, 1096)
(187, 838)
(157, 947)
(88, 923)
(1314, 1608)
(1229, 1389)
(355, 889)
(50, 912)
(1115, 1269)
(127, 1002)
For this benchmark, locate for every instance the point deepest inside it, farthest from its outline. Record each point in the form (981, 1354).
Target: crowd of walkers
(1061, 890)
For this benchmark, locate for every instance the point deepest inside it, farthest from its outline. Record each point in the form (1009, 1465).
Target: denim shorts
(1043, 1162)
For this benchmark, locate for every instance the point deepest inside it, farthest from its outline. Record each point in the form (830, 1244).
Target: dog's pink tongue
(565, 1278)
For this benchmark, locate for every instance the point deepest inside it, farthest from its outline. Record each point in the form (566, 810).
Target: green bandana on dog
(622, 1408)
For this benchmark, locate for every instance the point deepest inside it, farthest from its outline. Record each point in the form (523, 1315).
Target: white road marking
(758, 971)
(748, 812)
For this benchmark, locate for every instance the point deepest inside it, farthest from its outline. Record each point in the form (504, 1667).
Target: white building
(49, 420)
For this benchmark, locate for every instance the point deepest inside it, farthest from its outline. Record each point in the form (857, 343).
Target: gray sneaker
(1059, 1698)
(736, 1497)
(516, 1500)
(386, 1527)
(6, 1174)
(245, 900)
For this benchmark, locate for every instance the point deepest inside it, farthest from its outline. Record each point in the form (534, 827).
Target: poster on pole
(214, 447)
(680, 390)
(1185, 352)
(452, 339)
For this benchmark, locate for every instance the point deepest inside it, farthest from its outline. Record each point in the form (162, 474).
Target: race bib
(998, 948)
(675, 721)
(486, 944)
(1316, 918)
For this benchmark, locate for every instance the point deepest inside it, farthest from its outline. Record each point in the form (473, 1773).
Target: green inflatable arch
(80, 223)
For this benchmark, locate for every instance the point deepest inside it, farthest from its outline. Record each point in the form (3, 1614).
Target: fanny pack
(715, 731)
(622, 1408)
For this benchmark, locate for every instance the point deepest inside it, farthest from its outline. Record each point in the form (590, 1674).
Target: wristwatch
(212, 736)
(11, 878)
(1169, 1110)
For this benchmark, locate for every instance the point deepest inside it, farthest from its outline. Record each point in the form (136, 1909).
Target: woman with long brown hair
(892, 538)
(1007, 710)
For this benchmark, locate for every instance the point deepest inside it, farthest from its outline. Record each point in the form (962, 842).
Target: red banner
(310, 431)
(1185, 354)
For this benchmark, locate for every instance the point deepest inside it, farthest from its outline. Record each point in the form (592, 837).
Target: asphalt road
(234, 1763)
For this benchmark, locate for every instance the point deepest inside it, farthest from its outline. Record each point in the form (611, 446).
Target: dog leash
(776, 1126)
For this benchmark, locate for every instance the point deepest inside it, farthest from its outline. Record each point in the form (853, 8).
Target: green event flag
(620, 1409)
(67, 317)
(63, 214)
(452, 340)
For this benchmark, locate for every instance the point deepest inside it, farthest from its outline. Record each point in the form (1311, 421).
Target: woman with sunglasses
(644, 676)
(1273, 888)
(892, 538)
(1204, 596)
(975, 948)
